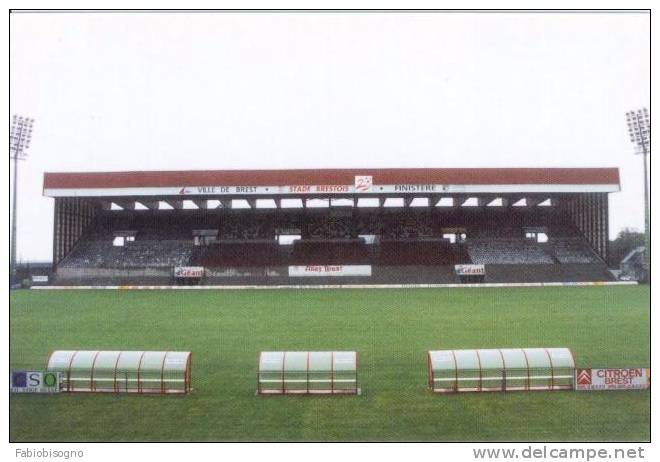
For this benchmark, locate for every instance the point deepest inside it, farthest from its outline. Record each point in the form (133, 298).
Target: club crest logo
(363, 183)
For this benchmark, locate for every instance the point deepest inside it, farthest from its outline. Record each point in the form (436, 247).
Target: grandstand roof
(331, 181)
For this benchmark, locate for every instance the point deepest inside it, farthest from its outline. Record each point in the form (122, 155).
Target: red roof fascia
(472, 176)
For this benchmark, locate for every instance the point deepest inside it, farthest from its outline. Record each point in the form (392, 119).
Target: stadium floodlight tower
(20, 135)
(639, 129)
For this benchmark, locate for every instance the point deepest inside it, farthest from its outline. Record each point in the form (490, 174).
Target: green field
(392, 329)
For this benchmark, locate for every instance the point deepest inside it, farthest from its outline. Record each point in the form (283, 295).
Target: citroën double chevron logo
(584, 377)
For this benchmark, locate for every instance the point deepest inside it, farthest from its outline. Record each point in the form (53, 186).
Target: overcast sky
(319, 90)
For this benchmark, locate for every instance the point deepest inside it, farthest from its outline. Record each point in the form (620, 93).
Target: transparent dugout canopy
(307, 372)
(506, 369)
(123, 371)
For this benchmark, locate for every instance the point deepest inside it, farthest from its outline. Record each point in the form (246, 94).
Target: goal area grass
(391, 329)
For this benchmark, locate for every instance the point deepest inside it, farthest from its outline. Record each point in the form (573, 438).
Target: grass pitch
(392, 329)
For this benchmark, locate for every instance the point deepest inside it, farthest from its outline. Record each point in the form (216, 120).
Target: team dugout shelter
(339, 226)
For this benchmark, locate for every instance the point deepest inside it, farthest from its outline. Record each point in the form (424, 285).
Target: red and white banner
(470, 270)
(329, 270)
(188, 271)
(634, 378)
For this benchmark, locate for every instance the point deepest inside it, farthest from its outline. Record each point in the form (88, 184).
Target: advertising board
(633, 378)
(470, 270)
(188, 271)
(329, 270)
(35, 382)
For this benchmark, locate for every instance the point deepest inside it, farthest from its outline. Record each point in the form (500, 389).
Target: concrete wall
(380, 275)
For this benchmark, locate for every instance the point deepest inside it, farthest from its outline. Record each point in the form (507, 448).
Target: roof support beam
(515, 200)
(174, 203)
(532, 201)
(200, 203)
(151, 205)
(459, 201)
(126, 205)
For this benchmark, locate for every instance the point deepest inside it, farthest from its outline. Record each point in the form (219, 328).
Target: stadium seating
(98, 251)
(506, 251)
(401, 246)
(408, 226)
(238, 254)
(572, 250)
(328, 228)
(87, 254)
(135, 254)
(420, 252)
(330, 252)
(246, 227)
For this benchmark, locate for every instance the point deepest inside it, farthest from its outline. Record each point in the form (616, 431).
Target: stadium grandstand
(366, 226)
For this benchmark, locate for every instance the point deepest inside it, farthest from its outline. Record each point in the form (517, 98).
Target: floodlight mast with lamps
(20, 135)
(639, 129)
